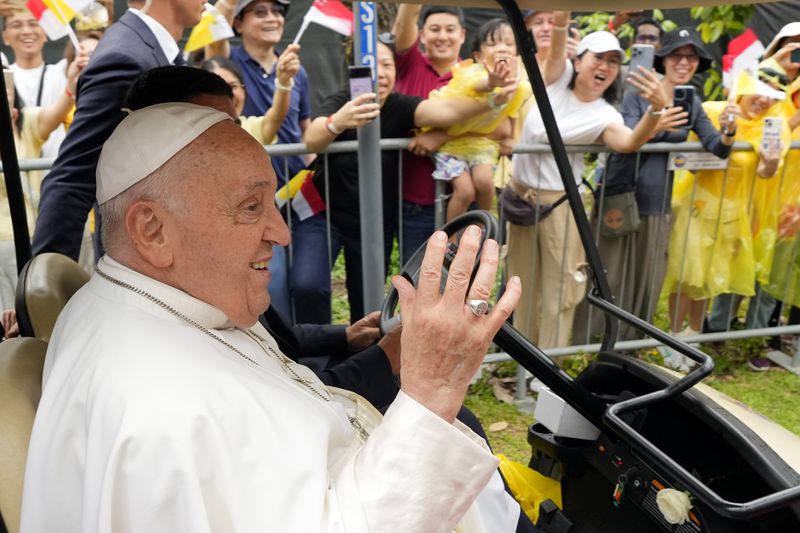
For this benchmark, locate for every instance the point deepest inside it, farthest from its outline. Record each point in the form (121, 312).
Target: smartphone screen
(360, 81)
(771, 134)
(684, 97)
(794, 57)
(641, 55)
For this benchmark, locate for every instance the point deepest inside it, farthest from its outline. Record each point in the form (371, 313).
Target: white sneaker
(673, 360)
(689, 332)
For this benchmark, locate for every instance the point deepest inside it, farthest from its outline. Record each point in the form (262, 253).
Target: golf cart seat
(46, 284)
(21, 362)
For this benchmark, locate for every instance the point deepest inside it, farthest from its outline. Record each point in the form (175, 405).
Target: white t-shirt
(26, 81)
(579, 123)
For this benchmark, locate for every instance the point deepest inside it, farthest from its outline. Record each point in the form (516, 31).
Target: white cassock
(148, 424)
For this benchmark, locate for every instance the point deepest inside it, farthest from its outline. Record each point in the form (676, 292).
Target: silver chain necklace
(258, 339)
(354, 422)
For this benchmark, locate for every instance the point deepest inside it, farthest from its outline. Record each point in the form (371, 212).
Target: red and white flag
(54, 15)
(333, 15)
(302, 194)
(743, 54)
(329, 13)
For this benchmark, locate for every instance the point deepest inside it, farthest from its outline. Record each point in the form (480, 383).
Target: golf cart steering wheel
(410, 271)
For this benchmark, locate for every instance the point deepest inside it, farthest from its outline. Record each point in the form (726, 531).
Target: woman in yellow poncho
(724, 219)
(784, 278)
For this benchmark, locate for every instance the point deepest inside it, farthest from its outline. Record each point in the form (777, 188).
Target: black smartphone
(360, 81)
(641, 56)
(684, 97)
(794, 56)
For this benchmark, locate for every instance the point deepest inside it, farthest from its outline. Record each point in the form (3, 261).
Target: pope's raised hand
(443, 341)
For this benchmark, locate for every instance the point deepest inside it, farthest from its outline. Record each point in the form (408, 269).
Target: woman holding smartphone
(637, 262)
(548, 255)
(725, 222)
(336, 181)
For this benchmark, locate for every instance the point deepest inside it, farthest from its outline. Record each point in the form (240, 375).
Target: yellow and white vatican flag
(212, 28)
(54, 15)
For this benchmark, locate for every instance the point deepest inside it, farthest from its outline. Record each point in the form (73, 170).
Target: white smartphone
(641, 56)
(771, 134)
(360, 81)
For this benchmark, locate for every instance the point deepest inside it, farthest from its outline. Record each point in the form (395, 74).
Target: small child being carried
(469, 159)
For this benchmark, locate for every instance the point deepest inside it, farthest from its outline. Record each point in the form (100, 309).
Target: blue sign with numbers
(367, 42)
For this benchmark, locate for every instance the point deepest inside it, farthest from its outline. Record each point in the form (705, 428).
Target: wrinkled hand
(288, 64)
(357, 112)
(672, 119)
(424, 144)
(649, 87)
(364, 333)
(443, 342)
(9, 322)
(573, 41)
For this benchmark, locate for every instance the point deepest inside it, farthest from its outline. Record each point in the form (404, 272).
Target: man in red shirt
(440, 31)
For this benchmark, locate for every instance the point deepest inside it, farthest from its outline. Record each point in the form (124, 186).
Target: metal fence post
(370, 177)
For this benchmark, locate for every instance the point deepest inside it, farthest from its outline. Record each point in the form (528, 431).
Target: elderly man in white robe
(166, 407)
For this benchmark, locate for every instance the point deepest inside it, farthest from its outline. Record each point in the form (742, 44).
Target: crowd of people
(172, 384)
(464, 116)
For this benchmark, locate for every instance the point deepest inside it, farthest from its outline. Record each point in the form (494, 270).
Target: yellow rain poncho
(723, 234)
(465, 76)
(784, 278)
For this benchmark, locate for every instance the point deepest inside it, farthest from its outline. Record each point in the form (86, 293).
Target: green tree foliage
(719, 22)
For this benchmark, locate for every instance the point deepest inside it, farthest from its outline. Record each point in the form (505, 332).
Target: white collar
(165, 40)
(197, 310)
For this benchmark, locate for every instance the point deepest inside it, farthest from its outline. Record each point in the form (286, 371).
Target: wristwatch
(653, 113)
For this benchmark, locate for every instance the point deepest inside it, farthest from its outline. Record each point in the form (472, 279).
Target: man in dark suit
(143, 38)
(352, 357)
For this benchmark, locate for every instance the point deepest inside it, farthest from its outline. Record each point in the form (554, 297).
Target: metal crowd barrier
(578, 345)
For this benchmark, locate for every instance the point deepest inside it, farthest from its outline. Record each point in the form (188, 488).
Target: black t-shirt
(397, 119)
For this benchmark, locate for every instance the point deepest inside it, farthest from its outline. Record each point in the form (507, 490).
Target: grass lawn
(775, 393)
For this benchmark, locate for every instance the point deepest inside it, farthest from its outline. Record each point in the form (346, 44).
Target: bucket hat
(789, 30)
(242, 4)
(672, 40)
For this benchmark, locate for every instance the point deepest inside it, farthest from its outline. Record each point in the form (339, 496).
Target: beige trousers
(550, 262)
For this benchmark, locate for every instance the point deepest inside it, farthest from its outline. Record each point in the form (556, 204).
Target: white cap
(145, 140)
(600, 42)
(790, 30)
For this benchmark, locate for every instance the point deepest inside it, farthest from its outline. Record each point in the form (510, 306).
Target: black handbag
(524, 211)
